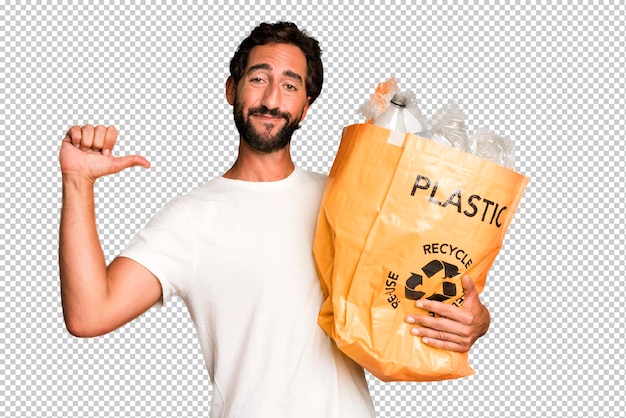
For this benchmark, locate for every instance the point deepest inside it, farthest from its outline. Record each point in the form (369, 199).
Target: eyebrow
(286, 73)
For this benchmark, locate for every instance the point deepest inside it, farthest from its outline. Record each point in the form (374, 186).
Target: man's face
(270, 100)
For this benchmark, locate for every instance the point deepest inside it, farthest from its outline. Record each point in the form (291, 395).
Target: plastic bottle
(402, 115)
(393, 117)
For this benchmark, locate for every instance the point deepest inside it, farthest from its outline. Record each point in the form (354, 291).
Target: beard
(264, 141)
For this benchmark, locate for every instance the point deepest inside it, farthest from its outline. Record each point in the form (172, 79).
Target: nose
(271, 96)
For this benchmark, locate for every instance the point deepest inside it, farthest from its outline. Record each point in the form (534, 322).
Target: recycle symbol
(434, 267)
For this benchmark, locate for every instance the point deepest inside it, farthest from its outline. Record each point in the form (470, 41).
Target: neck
(252, 165)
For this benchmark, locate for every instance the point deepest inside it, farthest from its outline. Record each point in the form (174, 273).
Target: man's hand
(87, 152)
(453, 328)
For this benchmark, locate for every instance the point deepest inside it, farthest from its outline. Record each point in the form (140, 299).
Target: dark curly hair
(285, 33)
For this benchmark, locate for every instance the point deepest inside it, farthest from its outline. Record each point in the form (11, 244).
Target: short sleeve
(165, 247)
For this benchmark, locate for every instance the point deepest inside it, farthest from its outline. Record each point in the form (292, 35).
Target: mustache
(263, 110)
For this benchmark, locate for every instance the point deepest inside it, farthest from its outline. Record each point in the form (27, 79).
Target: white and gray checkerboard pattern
(551, 77)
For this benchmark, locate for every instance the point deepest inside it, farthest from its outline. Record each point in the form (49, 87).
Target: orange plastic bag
(402, 218)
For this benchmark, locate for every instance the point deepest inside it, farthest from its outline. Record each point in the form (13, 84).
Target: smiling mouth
(266, 116)
(264, 112)
(269, 122)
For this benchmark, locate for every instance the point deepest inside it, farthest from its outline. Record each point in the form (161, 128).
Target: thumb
(469, 288)
(121, 163)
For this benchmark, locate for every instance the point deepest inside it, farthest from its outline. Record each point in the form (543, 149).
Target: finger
(439, 309)
(435, 323)
(87, 137)
(98, 137)
(73, 136)
(446, 344)
(109, 140)
(121, 163)
(469, 288)
(444, 335)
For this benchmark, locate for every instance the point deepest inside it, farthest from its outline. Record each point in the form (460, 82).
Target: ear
(231, 88)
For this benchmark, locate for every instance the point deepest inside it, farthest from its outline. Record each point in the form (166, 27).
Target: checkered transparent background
(551, 77)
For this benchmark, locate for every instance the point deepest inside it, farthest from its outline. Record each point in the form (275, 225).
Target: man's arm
(96, 299)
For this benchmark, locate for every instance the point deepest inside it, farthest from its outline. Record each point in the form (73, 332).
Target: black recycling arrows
(444, 270)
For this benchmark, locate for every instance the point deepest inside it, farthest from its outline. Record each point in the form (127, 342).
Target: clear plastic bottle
(393, 117)
(402, 115)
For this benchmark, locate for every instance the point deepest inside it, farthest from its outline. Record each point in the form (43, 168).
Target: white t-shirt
(240, 255)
